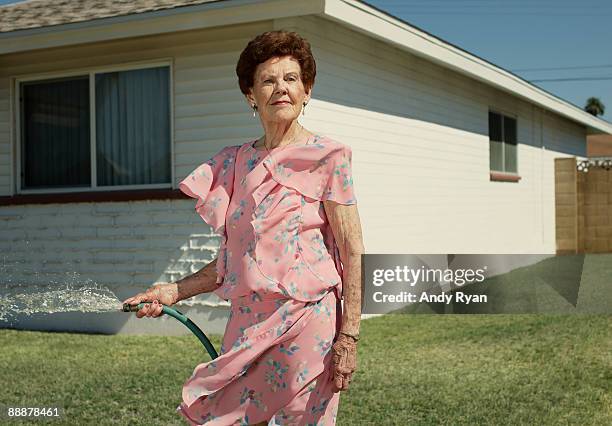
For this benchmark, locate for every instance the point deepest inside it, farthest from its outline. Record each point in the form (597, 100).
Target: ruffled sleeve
(339, 185)
(211, 184)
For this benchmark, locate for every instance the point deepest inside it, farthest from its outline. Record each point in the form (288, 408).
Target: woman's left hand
(344, 362)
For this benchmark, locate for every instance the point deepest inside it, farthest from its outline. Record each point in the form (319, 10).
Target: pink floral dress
(280, 268)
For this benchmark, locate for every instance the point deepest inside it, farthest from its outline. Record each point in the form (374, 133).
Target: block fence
(583, 206)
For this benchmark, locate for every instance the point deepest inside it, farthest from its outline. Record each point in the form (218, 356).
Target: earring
(304, 108)
(254, 109)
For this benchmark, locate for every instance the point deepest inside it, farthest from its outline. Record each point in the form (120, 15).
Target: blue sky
(563, 40)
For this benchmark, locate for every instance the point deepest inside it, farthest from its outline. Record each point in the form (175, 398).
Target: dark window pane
(495, 126)
(55, 133)
(509, 129)
(510, 152)
(133, 127)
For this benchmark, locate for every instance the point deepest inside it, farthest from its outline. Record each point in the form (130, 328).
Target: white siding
(419, 134)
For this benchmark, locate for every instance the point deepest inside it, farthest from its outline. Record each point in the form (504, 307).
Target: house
(104, 111)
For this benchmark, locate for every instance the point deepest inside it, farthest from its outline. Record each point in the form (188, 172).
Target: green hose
(182, 318)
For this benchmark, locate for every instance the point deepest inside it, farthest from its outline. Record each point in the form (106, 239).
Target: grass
(412, 370)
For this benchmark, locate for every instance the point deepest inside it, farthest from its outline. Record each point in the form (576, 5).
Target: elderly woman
(290, 251)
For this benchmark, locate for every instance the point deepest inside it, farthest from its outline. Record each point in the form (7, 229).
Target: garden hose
(182, 318)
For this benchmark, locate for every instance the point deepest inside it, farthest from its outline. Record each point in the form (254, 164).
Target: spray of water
(33, 299)
(46, 295)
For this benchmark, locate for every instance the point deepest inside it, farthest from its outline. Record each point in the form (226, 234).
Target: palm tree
(594, 106)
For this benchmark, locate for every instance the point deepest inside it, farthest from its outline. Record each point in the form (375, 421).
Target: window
(502, 143)
(130, 146)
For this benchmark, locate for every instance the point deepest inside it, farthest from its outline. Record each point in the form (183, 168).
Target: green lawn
(412, 370)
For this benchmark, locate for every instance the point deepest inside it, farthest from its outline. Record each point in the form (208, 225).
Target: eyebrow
(290, 72)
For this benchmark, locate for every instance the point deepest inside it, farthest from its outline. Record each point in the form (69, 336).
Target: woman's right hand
(159, 294)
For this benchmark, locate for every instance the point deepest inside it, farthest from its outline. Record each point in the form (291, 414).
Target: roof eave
(378, 24)
(206, 15)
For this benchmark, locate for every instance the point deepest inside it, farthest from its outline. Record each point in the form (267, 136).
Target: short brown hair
(273, 44)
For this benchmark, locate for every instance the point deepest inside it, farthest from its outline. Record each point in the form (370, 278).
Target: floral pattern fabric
(279, 266)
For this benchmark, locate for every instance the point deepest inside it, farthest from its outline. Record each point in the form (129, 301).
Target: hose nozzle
(130, 308)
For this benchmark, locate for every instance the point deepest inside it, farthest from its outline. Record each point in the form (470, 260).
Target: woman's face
(278, 79)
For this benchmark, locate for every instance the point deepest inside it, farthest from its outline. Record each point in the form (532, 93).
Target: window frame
(91, 72)
(502, 175)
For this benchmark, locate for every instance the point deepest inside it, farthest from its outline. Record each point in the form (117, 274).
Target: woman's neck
(279, 136)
